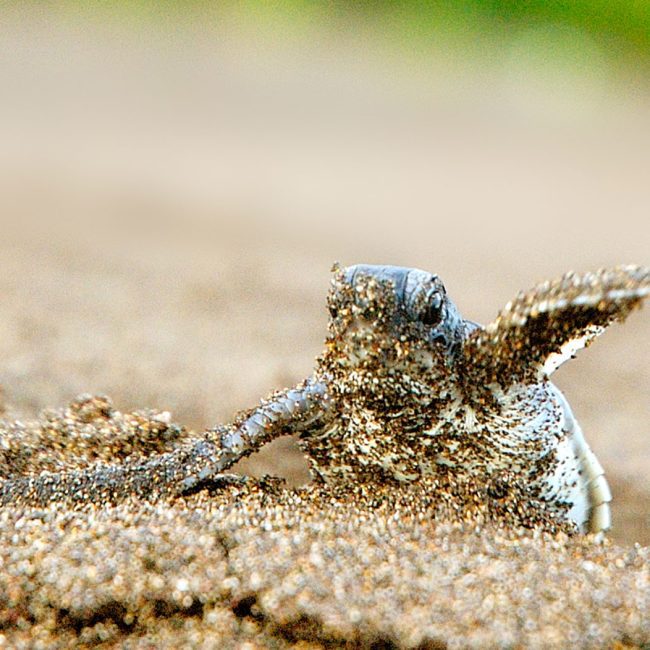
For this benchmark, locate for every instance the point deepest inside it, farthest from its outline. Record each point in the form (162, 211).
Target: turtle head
(401, 302)
(391, 322)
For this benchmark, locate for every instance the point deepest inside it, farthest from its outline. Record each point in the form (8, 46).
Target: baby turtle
(406, 389)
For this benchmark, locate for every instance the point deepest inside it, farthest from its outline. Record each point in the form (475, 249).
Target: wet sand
(201, 574)
(439, 564)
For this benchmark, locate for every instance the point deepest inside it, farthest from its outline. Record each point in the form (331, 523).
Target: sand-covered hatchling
(406, 389)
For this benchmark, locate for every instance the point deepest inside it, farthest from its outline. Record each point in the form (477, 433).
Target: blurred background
(177, 178)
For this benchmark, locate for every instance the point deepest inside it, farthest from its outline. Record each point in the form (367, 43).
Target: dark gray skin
(420, 298)
(406, 387)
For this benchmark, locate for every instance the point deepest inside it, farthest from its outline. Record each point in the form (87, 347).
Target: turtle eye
(432, 313)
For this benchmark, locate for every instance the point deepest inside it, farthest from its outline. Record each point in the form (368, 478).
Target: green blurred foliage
(618, 28)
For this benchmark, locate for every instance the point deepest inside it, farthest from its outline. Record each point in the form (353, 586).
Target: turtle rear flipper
(542, 328)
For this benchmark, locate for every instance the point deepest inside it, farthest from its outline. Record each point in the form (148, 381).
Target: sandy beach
(168, 246)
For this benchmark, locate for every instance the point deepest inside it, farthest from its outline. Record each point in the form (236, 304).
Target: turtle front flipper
(198, 462)
(286, 412)
(542, 328)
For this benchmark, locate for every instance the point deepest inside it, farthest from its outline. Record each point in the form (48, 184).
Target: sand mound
(440, 565)
(205, 574)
